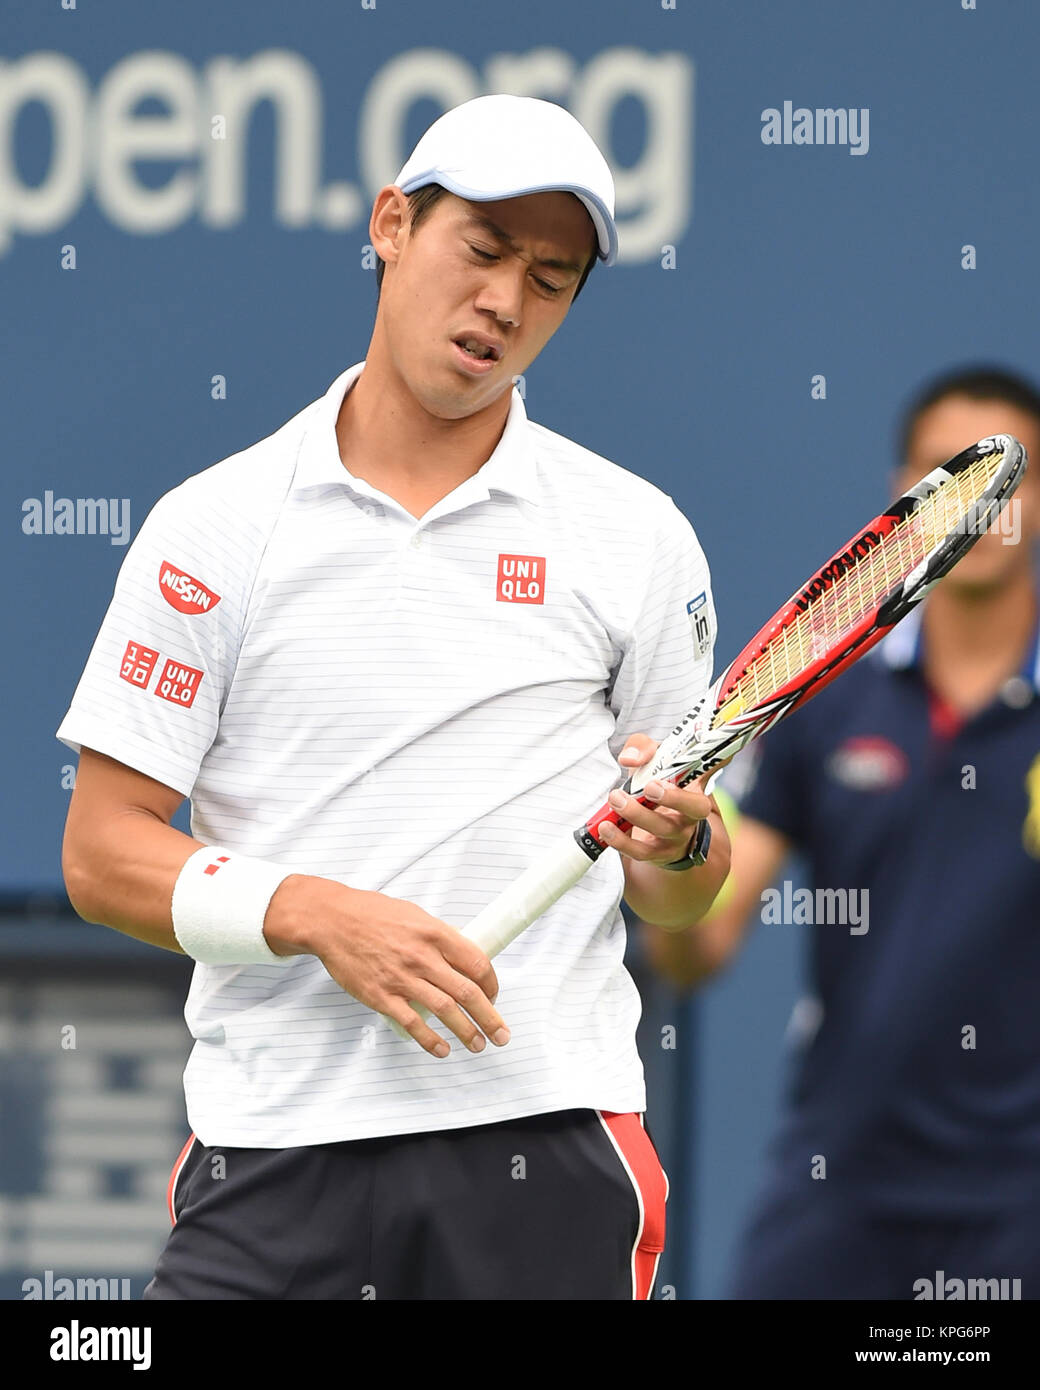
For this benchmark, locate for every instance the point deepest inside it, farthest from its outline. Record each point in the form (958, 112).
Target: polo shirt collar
(901, 650)
(512, 468)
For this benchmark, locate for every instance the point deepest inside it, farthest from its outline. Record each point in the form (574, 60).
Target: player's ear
(388, 225)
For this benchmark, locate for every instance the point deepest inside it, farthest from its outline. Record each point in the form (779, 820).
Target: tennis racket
(837, 615)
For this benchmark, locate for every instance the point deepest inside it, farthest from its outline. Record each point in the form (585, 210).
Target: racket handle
(523, 902)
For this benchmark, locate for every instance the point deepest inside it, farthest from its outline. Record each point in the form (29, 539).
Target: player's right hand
(386, 952)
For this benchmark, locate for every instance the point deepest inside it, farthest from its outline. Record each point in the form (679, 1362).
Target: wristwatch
(697, 854)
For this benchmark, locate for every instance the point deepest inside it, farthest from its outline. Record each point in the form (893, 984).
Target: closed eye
(492, 256)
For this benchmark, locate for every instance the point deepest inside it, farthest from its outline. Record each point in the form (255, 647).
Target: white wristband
(219, 903)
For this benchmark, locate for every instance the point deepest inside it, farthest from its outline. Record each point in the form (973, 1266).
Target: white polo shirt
(414, 707)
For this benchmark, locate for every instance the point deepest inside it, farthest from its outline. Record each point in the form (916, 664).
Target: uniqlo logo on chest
(521, 579)
(137, 664)
(179, 684)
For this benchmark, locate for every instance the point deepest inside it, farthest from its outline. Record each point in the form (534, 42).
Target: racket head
(845, 607)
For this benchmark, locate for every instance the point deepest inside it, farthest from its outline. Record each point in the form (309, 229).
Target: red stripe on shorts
(650, 1181)
(174, 1175)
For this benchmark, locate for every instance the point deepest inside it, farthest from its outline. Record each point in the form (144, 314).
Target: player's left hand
(661, 833)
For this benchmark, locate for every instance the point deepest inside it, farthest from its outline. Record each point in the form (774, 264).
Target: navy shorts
(568, 1205)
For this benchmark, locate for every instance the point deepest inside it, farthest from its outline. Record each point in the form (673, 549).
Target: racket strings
(858, 590)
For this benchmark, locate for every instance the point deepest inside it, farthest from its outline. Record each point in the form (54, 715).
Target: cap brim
(602, 220)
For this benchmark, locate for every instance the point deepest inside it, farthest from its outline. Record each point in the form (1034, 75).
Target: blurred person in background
(907, 1158)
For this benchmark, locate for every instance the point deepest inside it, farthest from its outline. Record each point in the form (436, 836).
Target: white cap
(504, 147)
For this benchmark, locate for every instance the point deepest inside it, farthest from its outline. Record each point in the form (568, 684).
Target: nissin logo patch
(184, 592)
(521, 579)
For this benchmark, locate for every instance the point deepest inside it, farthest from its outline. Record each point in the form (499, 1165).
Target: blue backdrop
(184, 196)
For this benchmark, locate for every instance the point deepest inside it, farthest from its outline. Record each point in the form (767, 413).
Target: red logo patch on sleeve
(178, 683)
(137, 664)
(184, 592)
(521, 579)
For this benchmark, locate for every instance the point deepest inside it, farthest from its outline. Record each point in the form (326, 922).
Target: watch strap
(697, 854)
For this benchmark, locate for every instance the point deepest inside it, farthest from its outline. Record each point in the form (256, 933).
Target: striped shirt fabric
(411, 706)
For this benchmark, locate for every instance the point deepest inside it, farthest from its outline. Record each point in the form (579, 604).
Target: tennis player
(389, 653)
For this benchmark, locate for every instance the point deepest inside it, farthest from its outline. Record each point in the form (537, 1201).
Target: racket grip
(503, 919)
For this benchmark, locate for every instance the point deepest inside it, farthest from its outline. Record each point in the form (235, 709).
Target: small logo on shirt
(697, 609)
(137, 664)
(521, 579)
(868, 764)
(178, 684)
(184, 592)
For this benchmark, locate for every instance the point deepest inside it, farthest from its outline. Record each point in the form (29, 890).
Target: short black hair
(420, 204)
(979, 383)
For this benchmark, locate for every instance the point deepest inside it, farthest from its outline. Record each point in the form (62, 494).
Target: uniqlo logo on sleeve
(179, 684)
(138, 664)
(521, 579)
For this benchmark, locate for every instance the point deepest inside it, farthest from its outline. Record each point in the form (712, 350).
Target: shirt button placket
(413, 578)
